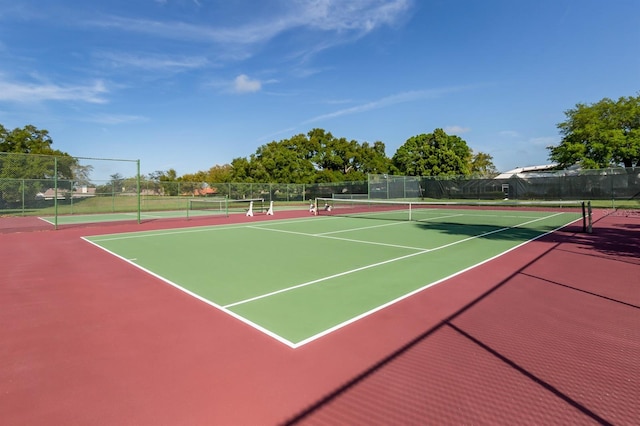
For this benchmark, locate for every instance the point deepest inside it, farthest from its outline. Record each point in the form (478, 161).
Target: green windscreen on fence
(53, 187)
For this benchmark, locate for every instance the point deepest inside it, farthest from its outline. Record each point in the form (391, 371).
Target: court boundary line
(420, 289)
(263, 228)
(195, 295)
(372, 265)
(195, 229)
(309, 339)
(388, 224)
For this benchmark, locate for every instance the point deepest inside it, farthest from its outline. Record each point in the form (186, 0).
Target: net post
(584, 217)
(589, 218)
(270, 211)
(138, 191)
(55, 193)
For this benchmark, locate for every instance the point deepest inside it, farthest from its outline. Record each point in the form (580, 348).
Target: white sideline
(373, 265)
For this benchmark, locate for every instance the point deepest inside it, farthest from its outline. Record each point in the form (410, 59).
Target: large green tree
(482, 165)
(39, 164)
(26, 140)
(283, 161)
(25, 175)
(372, 158)
(317, 156)
(433, 154)
(599, 135)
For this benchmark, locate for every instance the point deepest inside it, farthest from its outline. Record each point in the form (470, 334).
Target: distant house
(205, 192)
(80, 192)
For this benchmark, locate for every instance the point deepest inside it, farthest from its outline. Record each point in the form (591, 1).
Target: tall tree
(284, 161)
(372, 158)
(433, 154)
(39, 166)
(219, 174)
(26, 140)
(31, 140)
(315, 157)
(241, 170)
(603, 134)
(482, 164)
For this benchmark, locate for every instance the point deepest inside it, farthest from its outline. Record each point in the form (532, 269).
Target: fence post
(23, 198)
(138, 188)
(55, 193)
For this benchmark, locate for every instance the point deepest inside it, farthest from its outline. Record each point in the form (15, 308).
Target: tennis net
(225, 206)
(547, 214)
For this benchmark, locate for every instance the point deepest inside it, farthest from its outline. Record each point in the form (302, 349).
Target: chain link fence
(42, 185)
(619, 186)
(49, 186)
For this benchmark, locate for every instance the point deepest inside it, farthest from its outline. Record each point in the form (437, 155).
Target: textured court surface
(546, 334)
(298, 280)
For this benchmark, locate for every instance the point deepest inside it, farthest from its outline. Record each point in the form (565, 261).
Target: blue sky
(189, 84)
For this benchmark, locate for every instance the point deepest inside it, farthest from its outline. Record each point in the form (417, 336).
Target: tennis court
(298, 280)
(301, 319)
(193, 208)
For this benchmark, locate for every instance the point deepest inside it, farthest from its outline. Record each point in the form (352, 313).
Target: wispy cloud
(357, 17)
(37, 92)
(399, 98)
(244, 84)
(456, 130)
(270, 136)
(152, 62)
(509, 133)
(115, 119)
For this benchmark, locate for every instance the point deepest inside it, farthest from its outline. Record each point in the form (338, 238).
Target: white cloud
(115, 119)
(456, 130)
(345, 20)
(243, 84)
(509, 133)
(37, 92)
(153, 62)
(398, 98)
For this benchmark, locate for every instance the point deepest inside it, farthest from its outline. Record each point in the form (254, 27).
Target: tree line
(319, 156)
(598, 135)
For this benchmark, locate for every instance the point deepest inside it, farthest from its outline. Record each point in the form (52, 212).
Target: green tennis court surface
(298, 280)
(112, 217)
(193, 208)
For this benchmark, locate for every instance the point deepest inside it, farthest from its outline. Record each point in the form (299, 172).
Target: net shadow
(343, 406)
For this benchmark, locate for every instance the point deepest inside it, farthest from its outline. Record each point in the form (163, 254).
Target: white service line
(373, 243)
(373, 265)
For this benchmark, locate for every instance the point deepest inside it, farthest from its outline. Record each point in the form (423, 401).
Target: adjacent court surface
(302, 320)
(298, 280)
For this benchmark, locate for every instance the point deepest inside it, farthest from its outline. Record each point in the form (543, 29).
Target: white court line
(197, 296)
(363, 227)
(373, 265)
(373, 243)
(327, 331)
(387, 224)
(327, 234)
(323, 279)
(408, 295)
(197, 229)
